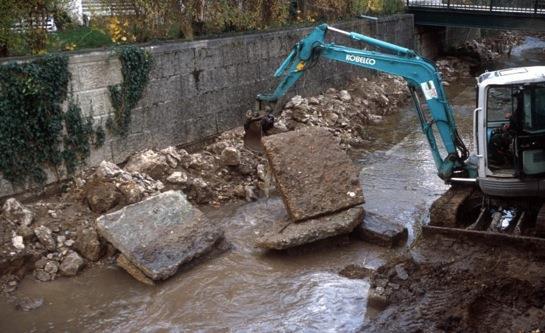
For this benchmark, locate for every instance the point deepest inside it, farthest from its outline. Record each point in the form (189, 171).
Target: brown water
(245, 289)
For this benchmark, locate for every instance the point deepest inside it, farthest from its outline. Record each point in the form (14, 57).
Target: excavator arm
(420, 74)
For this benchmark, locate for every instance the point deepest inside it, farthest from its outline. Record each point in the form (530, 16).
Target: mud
(455, 286)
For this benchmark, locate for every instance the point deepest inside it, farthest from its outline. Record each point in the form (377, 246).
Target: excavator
(498, 191)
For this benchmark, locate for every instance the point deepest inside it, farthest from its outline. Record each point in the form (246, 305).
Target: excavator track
(465, 212)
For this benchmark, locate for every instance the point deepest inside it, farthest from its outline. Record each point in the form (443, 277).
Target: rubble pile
(346, 113)
(477, 55)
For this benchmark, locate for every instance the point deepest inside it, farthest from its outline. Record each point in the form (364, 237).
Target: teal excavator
(498, 191)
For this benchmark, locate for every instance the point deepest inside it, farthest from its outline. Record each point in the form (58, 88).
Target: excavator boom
(421, 75)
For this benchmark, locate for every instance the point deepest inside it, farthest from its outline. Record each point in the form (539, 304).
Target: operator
(501, 143)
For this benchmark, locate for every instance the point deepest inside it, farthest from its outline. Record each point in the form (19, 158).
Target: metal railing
(496, 6)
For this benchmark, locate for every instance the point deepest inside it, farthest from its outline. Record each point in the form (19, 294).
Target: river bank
(301, 285)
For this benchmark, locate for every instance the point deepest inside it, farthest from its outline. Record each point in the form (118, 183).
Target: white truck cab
(509, 132)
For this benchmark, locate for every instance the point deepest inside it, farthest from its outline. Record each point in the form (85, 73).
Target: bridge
(489, 14)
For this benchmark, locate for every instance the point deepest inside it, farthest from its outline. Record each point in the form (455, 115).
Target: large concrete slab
(314, 175)
(380, 231)
(284, 234)
(160, 233)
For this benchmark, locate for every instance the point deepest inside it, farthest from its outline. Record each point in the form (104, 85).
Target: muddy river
(247, 290)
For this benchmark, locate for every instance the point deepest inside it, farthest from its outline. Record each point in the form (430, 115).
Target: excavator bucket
(253, 131)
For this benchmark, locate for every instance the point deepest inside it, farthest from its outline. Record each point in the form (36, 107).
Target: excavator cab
(510, 132)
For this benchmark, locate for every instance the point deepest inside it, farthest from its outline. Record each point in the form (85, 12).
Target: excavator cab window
(501, 105)
(530, 143)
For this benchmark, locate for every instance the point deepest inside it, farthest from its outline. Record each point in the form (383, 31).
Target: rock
(60, 240)
(230, 156)
(200, 191)
(356, 272)
(178, 177)
(42, 275)
(52, 213)
(377, 300)
(102, 196)
(401, 272)
(88, 244)
(249, 193)
(45, 237)
(379, 231)
(160, 233)
(124, 263)
(300, 115)
(148, 162)
(344, 96)
(28, 304)
(131, 192)
(51, 267)
(15, 212)
(261, 172)
(71, 264)
(314, 175)
(172, 156)
(285, 234)
(108, 170)
(313, 101)
(26, 232)
(40, 263)
(69, 242)
(17, 242)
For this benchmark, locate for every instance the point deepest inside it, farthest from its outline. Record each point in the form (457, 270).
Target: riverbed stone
(285, 234)
(380, 231)
(314, 175)
(71, 264)
(88, 244)
(160, 233)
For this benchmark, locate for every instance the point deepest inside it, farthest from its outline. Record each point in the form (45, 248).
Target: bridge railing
(498, 6)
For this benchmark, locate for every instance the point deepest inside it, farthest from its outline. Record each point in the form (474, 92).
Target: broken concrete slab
(380, 231)
(284, 234)
(160, 233)
(314, 175)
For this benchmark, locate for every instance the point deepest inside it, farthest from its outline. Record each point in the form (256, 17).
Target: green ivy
(76, 140)
(35, 132)
(135, 67)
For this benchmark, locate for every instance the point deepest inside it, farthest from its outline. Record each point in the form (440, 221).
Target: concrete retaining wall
(202, 88)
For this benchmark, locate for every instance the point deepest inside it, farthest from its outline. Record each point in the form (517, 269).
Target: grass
(78, 38)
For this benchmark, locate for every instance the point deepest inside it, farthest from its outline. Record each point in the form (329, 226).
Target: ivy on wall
(135, 67)
(35, 132)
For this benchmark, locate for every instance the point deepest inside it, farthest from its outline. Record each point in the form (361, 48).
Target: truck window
(499, 103)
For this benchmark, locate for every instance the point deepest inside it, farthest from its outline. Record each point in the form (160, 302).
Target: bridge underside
(477, 19)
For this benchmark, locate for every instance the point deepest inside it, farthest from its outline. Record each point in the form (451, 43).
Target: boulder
(108, 170)
(380, 231)
(285, 234)
(131, 192)
(17, 242)
(178, 178)
(71, 264)
(148, 162)
(45, 237)
(102, 196)
(230, 156)
(160, 233)
(15, 212)
(88, 244)
(314, 175)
